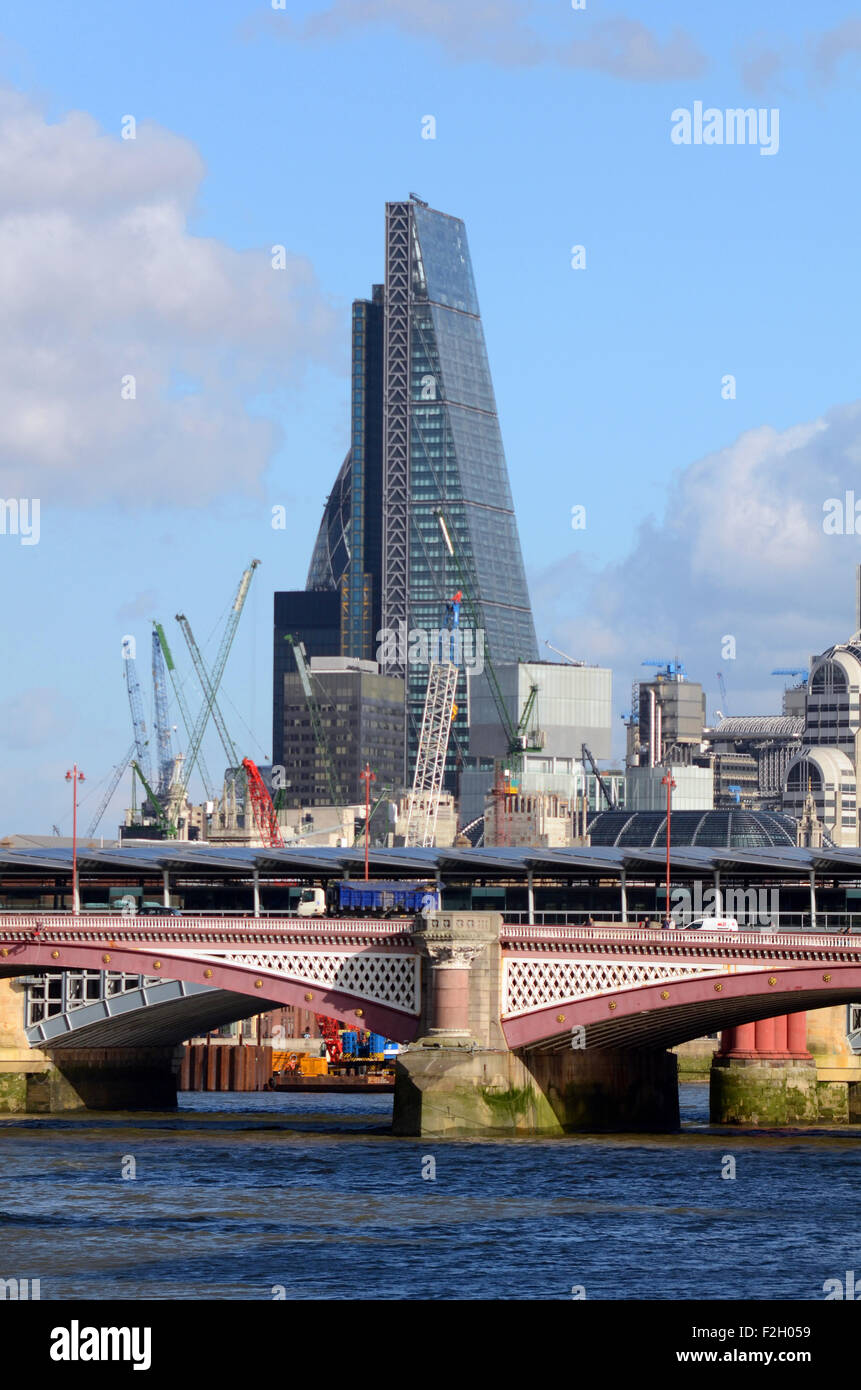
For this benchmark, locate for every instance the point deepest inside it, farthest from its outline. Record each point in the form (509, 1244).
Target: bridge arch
(666, 1014)
(352, 992)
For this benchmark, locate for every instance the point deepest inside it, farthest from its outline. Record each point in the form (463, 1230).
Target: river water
(256, 1196)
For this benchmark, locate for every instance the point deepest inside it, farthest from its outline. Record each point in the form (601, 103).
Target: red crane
(265, 814)
(330, 1035)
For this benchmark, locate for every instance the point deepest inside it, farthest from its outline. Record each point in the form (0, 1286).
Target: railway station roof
(205, 862)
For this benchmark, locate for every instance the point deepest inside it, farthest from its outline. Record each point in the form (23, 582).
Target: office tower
(425, 440)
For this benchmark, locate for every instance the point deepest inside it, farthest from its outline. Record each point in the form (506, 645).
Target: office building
(425, 443)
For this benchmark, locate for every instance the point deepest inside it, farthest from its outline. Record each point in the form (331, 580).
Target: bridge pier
(459, 1077)
(763, 1075)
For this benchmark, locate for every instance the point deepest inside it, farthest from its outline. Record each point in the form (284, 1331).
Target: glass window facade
(456, 465)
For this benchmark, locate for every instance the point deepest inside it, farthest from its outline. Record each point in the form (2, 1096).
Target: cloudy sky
(149, 260)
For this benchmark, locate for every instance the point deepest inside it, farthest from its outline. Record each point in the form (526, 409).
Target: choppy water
(237, 1195)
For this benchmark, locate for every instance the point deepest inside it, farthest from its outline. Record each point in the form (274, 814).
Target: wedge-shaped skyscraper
(425, 442)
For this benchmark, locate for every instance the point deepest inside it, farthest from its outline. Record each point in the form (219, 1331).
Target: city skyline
(608, 379)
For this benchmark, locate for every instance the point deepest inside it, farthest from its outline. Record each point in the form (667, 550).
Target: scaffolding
(433, 746)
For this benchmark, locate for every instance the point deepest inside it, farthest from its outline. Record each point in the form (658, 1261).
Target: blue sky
(259, 127)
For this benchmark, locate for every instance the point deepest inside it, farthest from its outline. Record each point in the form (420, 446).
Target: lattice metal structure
(63, 991)
(396, 425)
(433, 746)
(164, 752)
(133, 686)
(114, 782)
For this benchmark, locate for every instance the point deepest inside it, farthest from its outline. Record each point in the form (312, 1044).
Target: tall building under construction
(425, 448)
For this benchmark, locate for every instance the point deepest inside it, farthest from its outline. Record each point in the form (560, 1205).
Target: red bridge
(457, 980)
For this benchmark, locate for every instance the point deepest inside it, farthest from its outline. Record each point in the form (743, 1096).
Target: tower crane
(136, 705)
(572, 661)
(669, 670)
(208, 691)
(113, 783)
(791, 671)
(262, 807)
(588, 758)
(164, 820)
(516, 735)
(183, 708)
(178, 793)
(162, 726)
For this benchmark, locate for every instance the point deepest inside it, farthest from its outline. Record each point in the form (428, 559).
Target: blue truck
(358, 897)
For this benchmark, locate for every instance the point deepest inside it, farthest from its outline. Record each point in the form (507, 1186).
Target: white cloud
(101, 278)
(497, 31)
(740, 549)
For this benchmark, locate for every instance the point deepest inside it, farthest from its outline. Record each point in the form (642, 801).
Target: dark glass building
(425, 441)
(362, 715)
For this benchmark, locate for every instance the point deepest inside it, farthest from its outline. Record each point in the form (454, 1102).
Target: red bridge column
(796, 1035)
(762, 1074)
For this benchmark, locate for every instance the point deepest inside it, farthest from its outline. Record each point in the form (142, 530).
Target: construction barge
(343, 1082)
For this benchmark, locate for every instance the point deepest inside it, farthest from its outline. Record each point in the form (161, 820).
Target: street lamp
(75, 777)
(367, 777)
(667, 781)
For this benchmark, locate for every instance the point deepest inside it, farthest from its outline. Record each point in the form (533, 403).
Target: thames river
(262, 1196)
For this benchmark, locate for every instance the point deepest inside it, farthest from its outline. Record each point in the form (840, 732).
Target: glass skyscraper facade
(425, 441)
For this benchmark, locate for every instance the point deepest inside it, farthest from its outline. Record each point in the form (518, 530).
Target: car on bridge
(717, 924)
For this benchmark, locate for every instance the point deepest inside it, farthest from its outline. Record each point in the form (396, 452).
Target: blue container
(376, 1044)
(350, 1044)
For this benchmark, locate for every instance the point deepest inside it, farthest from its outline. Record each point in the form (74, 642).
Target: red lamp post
(75, 777)
(668, 782)
(367, 777)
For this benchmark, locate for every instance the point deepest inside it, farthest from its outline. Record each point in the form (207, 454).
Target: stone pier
(763, 1075)
(797, 1069)
(459, 1077)
(45, 1082)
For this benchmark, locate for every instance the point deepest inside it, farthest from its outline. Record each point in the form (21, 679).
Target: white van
(712, 924)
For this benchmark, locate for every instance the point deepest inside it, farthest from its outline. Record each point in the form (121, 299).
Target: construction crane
(791, 671)
(588, 758)
(424, 798)
(320, 740)
(163, 819)
(507, 778)
(439, 710)
(262, 808)
(208, 691)
(668, 670)
(572, 661)
(113, 783)
(162, 726)
(136, 705)
(178, 792)
(516, 736)
(331, 1036)
(183, 708)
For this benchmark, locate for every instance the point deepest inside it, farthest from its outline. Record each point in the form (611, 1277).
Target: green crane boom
(168, 826)
(515, 734)
(183, 707)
